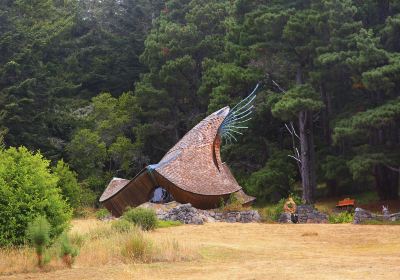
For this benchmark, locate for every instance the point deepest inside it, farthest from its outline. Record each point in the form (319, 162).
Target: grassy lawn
(240, 251)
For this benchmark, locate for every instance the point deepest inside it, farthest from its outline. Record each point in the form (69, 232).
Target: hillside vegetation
(109, 86)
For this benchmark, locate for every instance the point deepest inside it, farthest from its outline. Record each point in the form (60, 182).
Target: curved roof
(194, 163)
(115, 185)
(192, 170)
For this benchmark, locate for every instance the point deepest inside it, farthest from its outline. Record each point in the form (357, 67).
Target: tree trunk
(384, 10)
(326, 112)
(40, 259)
(332, 187)
(307, 156)
(386, 182)
(326, 120)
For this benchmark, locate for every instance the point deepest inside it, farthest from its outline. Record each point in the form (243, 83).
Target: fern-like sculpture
(237, 117)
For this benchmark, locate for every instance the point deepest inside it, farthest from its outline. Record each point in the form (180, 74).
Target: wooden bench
(346, 203)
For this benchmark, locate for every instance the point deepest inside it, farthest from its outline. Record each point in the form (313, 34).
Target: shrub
(87, 152)
(68, 184)
(137, 248)
(38, 234)
(88, 197)
(68, 252)
(83, 212)
(232, 205)
(122, 226)
(342, 217)
(273, 212)
(275, 179)
(102, 214)
(92, 186)
(28, 189)
(142, 217)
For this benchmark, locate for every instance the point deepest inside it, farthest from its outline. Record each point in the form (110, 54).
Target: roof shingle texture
(115, 185)
(194, 163)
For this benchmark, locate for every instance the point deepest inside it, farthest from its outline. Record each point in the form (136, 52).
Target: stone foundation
(184, 213)
(247, 216)
(187, 214)
(362, 215)
(306, 214)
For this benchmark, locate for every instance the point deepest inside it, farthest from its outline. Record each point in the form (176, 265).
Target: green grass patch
(167, 224)
(376, 222)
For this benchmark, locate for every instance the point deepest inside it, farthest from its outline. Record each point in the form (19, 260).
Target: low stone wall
(362, 215)
(306, 214)
(184, 213)
(187, 214)
(247, 216)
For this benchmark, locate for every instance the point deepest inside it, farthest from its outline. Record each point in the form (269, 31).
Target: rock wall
(184, 213)
(247, 216)
(305, 214)
(362, 215)
(308, 214)
(187, 214)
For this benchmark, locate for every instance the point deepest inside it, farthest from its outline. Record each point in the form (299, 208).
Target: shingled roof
(194, 163)
(192, 170)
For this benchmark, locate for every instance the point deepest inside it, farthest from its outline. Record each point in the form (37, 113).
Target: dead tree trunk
(307, 156)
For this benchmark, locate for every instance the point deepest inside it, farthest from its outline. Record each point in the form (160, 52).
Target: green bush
(341, 218)
(142, 217)
(92, 187)
(102, 213)
(83, 212)
(68, 252)
(28, 189)
(87, 153)
(88, 197)
(275, 179)
(137, 248)
(122, 226)
(233, 204)
(272, 213)
(68, 184)
(38, 235)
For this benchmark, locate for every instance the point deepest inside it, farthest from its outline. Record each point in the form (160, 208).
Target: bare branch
(295, 158)
(294, 130)
(393, 168)
(278, 86)
(288, 129)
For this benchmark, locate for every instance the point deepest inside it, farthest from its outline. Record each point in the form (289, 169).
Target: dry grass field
(239, 251)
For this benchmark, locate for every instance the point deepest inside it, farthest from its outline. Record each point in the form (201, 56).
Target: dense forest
(103, 87)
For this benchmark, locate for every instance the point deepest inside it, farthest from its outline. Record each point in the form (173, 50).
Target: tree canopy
(109, 86)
